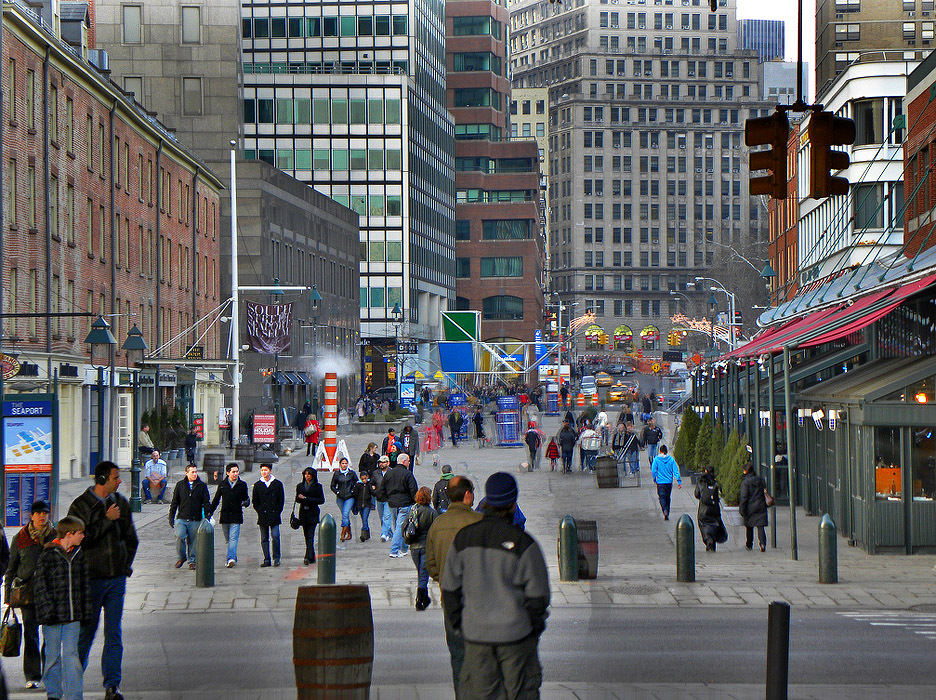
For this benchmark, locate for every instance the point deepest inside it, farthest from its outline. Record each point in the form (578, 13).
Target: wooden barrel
(213, 463)
(333, 643)
(587, 531)
(606, 472)
(245, 455)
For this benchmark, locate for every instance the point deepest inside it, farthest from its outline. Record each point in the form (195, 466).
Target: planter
(731, 516)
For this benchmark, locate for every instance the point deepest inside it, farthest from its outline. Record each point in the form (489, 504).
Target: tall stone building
(847, 30)
(499, 241)
(647, 170)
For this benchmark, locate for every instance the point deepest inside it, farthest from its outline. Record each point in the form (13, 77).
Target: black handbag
(11, 634)
(293, 519)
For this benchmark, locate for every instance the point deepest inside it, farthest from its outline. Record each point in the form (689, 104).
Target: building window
(191, 96)
(462, 230)
(502, 267)
(191, 25)
(506, 229)
(132, 24)
(868, 206)
(463, 267)
(502, 308)
(869, 121)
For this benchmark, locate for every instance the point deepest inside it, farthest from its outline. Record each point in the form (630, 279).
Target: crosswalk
(923, 624)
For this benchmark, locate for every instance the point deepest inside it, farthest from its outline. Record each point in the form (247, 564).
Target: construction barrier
(580, 400)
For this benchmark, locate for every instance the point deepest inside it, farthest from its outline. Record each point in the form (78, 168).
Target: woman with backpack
(709, 516)
(415, 532)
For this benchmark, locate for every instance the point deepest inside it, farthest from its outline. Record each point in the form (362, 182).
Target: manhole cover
(636, 589)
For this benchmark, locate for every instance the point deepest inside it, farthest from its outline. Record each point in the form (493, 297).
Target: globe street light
(135, 347)
(101, 341)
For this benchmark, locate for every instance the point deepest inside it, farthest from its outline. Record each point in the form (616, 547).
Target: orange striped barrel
(333, 643)
(580, 400)
(331, 415)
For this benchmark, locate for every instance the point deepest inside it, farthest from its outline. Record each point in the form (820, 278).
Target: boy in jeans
(63, 600)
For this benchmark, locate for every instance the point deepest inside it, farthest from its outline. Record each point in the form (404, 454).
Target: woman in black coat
(309, 496)
(752, 506)
(710, 522)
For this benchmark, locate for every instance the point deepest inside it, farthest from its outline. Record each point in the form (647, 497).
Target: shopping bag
(11, 634)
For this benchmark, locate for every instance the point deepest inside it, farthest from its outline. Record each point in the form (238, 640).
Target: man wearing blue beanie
(495, 591)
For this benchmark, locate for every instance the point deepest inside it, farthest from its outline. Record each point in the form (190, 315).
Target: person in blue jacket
(664, 470)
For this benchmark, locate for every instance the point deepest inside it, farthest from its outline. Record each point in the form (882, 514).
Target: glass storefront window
(923, 465)
(887, 480)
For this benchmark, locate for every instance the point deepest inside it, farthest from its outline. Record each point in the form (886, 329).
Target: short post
(325, 560)
(778, 650)
(204, 555)
(828, 553)
(685, 549)
(568, 549)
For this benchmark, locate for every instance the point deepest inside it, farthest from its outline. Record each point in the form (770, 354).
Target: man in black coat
(399, 488)
(190, 501)
(752, 506)
(269, 497)
(233, 496)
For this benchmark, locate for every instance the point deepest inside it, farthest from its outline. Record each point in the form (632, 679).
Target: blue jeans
(419, 559)
(345, 505)
(146, 489)
(397, 545)
(268, 532)
(663, 492)
(365, 516)
(231, 536)
(185, 531)
(567, 457)
(106, 594)
(651, 452)
(386, 519)
(63, 673)
(632, 459)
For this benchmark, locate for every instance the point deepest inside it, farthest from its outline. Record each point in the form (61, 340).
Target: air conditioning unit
(691, 73)
(911, 14)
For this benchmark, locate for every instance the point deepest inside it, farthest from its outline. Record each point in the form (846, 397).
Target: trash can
(587, 531)
(245, 455)
(606, 471)
(214, 467)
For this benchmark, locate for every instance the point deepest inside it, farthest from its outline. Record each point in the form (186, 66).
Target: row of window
(491, 267)
(496, 165)
(189, 24)
(381, 297)
(301, 27)
(476, 26)
(476, 61)
(496, 230)
(329, 67)
(476, 97)
(475, 196)
(374, 159)
(301, 110)
(651, 188)
(661, 21)
(381, 251)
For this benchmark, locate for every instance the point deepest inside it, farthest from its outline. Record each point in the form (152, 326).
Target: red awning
(864, 312)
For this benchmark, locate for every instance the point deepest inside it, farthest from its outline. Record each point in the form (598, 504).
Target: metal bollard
(204, 555)
(325, 559)
(568, 549)
(778, 650)
(685, 549)
(828, 552)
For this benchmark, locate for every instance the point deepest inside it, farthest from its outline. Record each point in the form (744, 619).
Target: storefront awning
(293, 377)
(786, 335)
(281, 378)
(871, 382)
(304, 378)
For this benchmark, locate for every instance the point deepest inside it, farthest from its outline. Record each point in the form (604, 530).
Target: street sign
(406, 347)
(672, 356)
(195, 352)
(198, 422)
(264, 427)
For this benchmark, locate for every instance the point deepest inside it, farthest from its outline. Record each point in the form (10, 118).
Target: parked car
(589, 387)
(622, 369)
(603, 379)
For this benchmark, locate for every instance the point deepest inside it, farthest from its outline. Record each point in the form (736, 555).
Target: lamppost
(101, 340)
(713, 312)
(135, 346)
(674, 293)
(768, 275)
(397, 314)
(276, 295)
(314, 299)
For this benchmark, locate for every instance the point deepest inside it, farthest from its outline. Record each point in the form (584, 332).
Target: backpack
(411, 526)
(708, 495)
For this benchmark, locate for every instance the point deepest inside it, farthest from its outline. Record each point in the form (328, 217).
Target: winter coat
(342, 484)
(567, 439)
(478, 420)
(376, 477)
(425, 516)
(709, 516)
(532, 439)
(410, 445)
(233, 498)
(651, 436)
(398, 487)
(309, 497)
(752, 505)
(24, 555)
(443, 531)
(363, 496)
(62, 586)
(664, 469)
(189, 502)
(552, 450)
(109, 546)
(313, 437)
(268, 501)
(440, 499)
(368, 463)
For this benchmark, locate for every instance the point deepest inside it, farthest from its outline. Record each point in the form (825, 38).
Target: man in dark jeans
(110, 544)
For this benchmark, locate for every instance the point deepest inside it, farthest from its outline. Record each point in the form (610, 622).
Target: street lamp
(732, 321)
(101, 342)
(713, 312)
(397, 314)
(314, 299)
(768, 275)
(135, 346)
(276, 296)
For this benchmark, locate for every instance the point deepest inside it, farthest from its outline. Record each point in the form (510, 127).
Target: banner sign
(28, 452)
(268, 327)
(198, 422)
(264, 427)
(407, 394)
(224, 417)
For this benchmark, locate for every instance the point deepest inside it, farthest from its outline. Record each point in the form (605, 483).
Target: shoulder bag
(294, 522)
(19, 594)
(11, 634)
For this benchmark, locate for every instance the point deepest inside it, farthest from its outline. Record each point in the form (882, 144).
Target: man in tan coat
(460, 491)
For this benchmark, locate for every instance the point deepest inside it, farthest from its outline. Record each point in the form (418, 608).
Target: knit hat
(500, 490)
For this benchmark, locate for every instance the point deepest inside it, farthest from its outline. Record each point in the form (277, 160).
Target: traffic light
(826, 130)
(770, 131)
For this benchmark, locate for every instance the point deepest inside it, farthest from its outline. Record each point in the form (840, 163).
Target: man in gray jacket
(495, 591)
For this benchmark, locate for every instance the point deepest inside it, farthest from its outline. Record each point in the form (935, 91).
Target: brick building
(103, 213)
(499, 247)
(783, 228)
(919, 152)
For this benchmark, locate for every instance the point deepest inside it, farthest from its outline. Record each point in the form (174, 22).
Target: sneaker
(32, 685)
(191, 566)
(230, 563)
(387, 539)
(395, 556)
(112, 692)
(146, 501)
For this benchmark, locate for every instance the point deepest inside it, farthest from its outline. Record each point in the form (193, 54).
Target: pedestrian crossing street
(923, 624)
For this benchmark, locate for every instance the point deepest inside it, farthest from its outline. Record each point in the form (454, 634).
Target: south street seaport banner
(268, 327)
(28, 450)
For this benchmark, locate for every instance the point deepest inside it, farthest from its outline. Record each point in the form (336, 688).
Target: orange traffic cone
(580, 400)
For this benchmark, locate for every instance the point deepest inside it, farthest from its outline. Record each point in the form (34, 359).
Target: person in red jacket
(311, 432)
(552, 454)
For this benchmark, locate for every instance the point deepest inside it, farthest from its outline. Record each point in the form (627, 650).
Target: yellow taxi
(616, 393)
(603, 379)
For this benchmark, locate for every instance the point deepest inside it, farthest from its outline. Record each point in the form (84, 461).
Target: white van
(588, 386)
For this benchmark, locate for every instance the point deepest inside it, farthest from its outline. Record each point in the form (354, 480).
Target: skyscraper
(647, 170)
(765, 36)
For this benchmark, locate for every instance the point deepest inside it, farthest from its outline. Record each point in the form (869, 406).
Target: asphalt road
(248, 650)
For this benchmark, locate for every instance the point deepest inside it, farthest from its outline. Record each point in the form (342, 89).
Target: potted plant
(684, 448)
